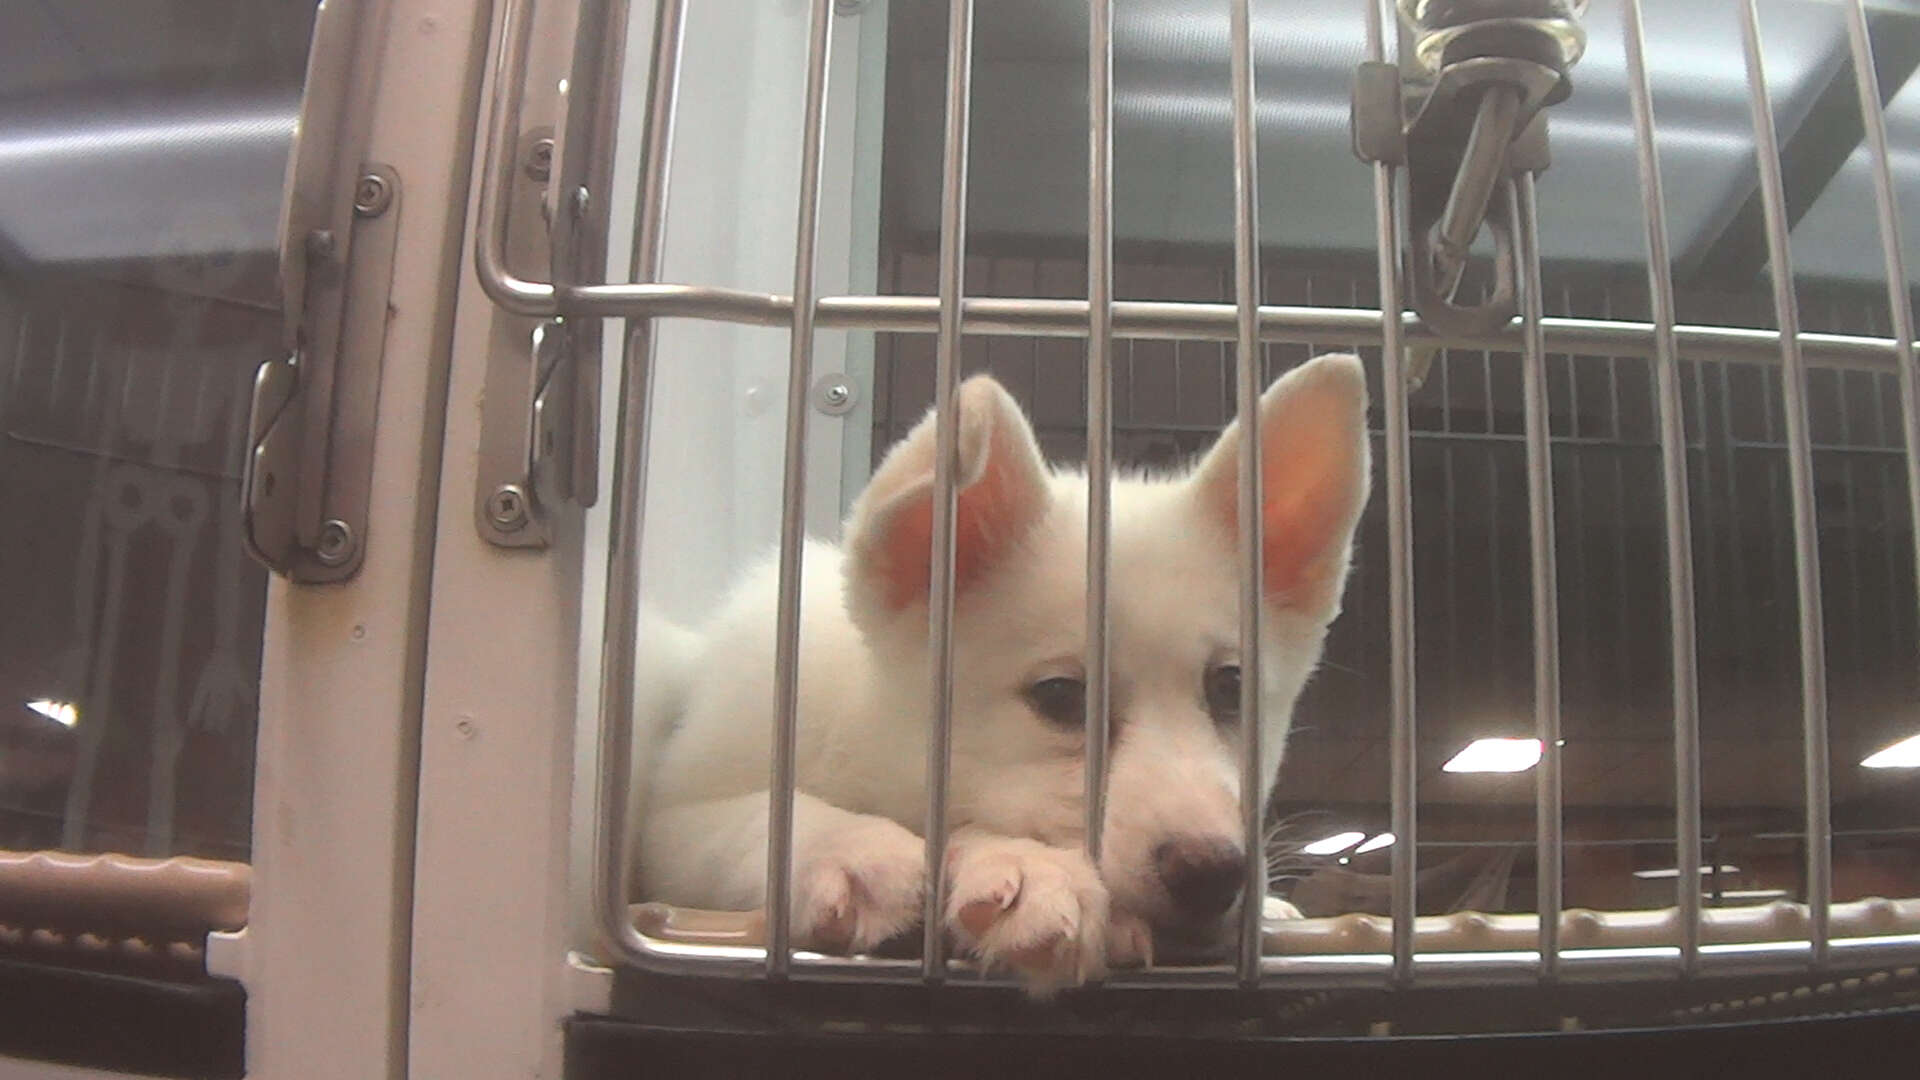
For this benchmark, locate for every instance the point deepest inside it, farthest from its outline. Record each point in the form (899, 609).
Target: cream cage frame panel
(325, 953)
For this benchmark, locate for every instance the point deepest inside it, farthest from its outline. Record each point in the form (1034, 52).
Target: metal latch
(540, 440)
(547, 470)
(304, 489)
(1463, 112)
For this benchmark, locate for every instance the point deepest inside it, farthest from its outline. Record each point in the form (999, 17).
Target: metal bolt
(540, 159)
(582, 200)
(507, 508)
(835, 394)
(336, 543)
(372, 195)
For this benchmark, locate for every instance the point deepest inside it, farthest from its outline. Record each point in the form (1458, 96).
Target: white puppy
(1023, 895)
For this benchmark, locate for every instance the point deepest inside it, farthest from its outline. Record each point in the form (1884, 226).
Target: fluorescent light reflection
(1495, 756)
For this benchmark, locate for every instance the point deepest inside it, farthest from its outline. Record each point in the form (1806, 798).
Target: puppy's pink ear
(1003, 492)
(1314, 465)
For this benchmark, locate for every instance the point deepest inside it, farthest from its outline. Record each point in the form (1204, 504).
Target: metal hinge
(309, 461)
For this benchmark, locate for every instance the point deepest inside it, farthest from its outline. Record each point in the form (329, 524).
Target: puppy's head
(1173, 850)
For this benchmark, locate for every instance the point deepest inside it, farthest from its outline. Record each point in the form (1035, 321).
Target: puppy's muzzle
(1203, 876)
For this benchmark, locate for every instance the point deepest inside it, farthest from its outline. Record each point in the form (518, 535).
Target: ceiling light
(1496, 755)
(1674, 872)
(1335, 844)
(1904, 754)
(1375, 844)
(64, 713)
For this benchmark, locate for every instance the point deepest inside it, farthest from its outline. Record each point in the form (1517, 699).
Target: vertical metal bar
(1874, 119)
(1673, 471)
(1793, 390)
(627, 511)
(1399, 544)
(793, 500)
(953, 251)
(1673, 468)
(1548, 853)
(1099, 403)
(1246, 294)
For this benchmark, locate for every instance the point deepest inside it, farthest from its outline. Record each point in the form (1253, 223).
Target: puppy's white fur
(1022, 893)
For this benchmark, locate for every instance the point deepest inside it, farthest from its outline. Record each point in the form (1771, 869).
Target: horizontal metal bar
(1458, 949)
(1170, 320)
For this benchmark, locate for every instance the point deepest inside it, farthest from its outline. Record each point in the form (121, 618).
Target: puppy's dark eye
(1062, 700)
(1221, 685)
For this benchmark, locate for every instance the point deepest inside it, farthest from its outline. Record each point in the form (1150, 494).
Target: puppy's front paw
(1023, 905)
(859, 886)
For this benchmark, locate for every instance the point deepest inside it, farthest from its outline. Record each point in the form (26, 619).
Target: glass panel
(143, 148)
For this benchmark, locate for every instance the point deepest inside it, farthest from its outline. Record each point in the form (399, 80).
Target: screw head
(540, 159)
(581, 202)
(336, 543)
(372, 195)
(507, 507)
(835, 394)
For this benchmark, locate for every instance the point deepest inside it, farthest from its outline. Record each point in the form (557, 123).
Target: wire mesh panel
(1633, 603)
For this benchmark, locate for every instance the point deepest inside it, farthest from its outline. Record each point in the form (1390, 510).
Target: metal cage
(1669, 370)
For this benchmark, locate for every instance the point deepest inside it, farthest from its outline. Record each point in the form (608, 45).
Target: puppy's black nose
(1203, 875)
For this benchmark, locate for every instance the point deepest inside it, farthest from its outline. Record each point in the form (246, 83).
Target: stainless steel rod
(953, 251)
(1806, 552)
(1246, 288)
(1401, 699)
(1474, 183)
(1673, 470)
(1099, 408)
(793, 500)
(1179, 320)
(1874, 118)
(1546, 578)
(512, 293)
(626, 514)
(1622, 966)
